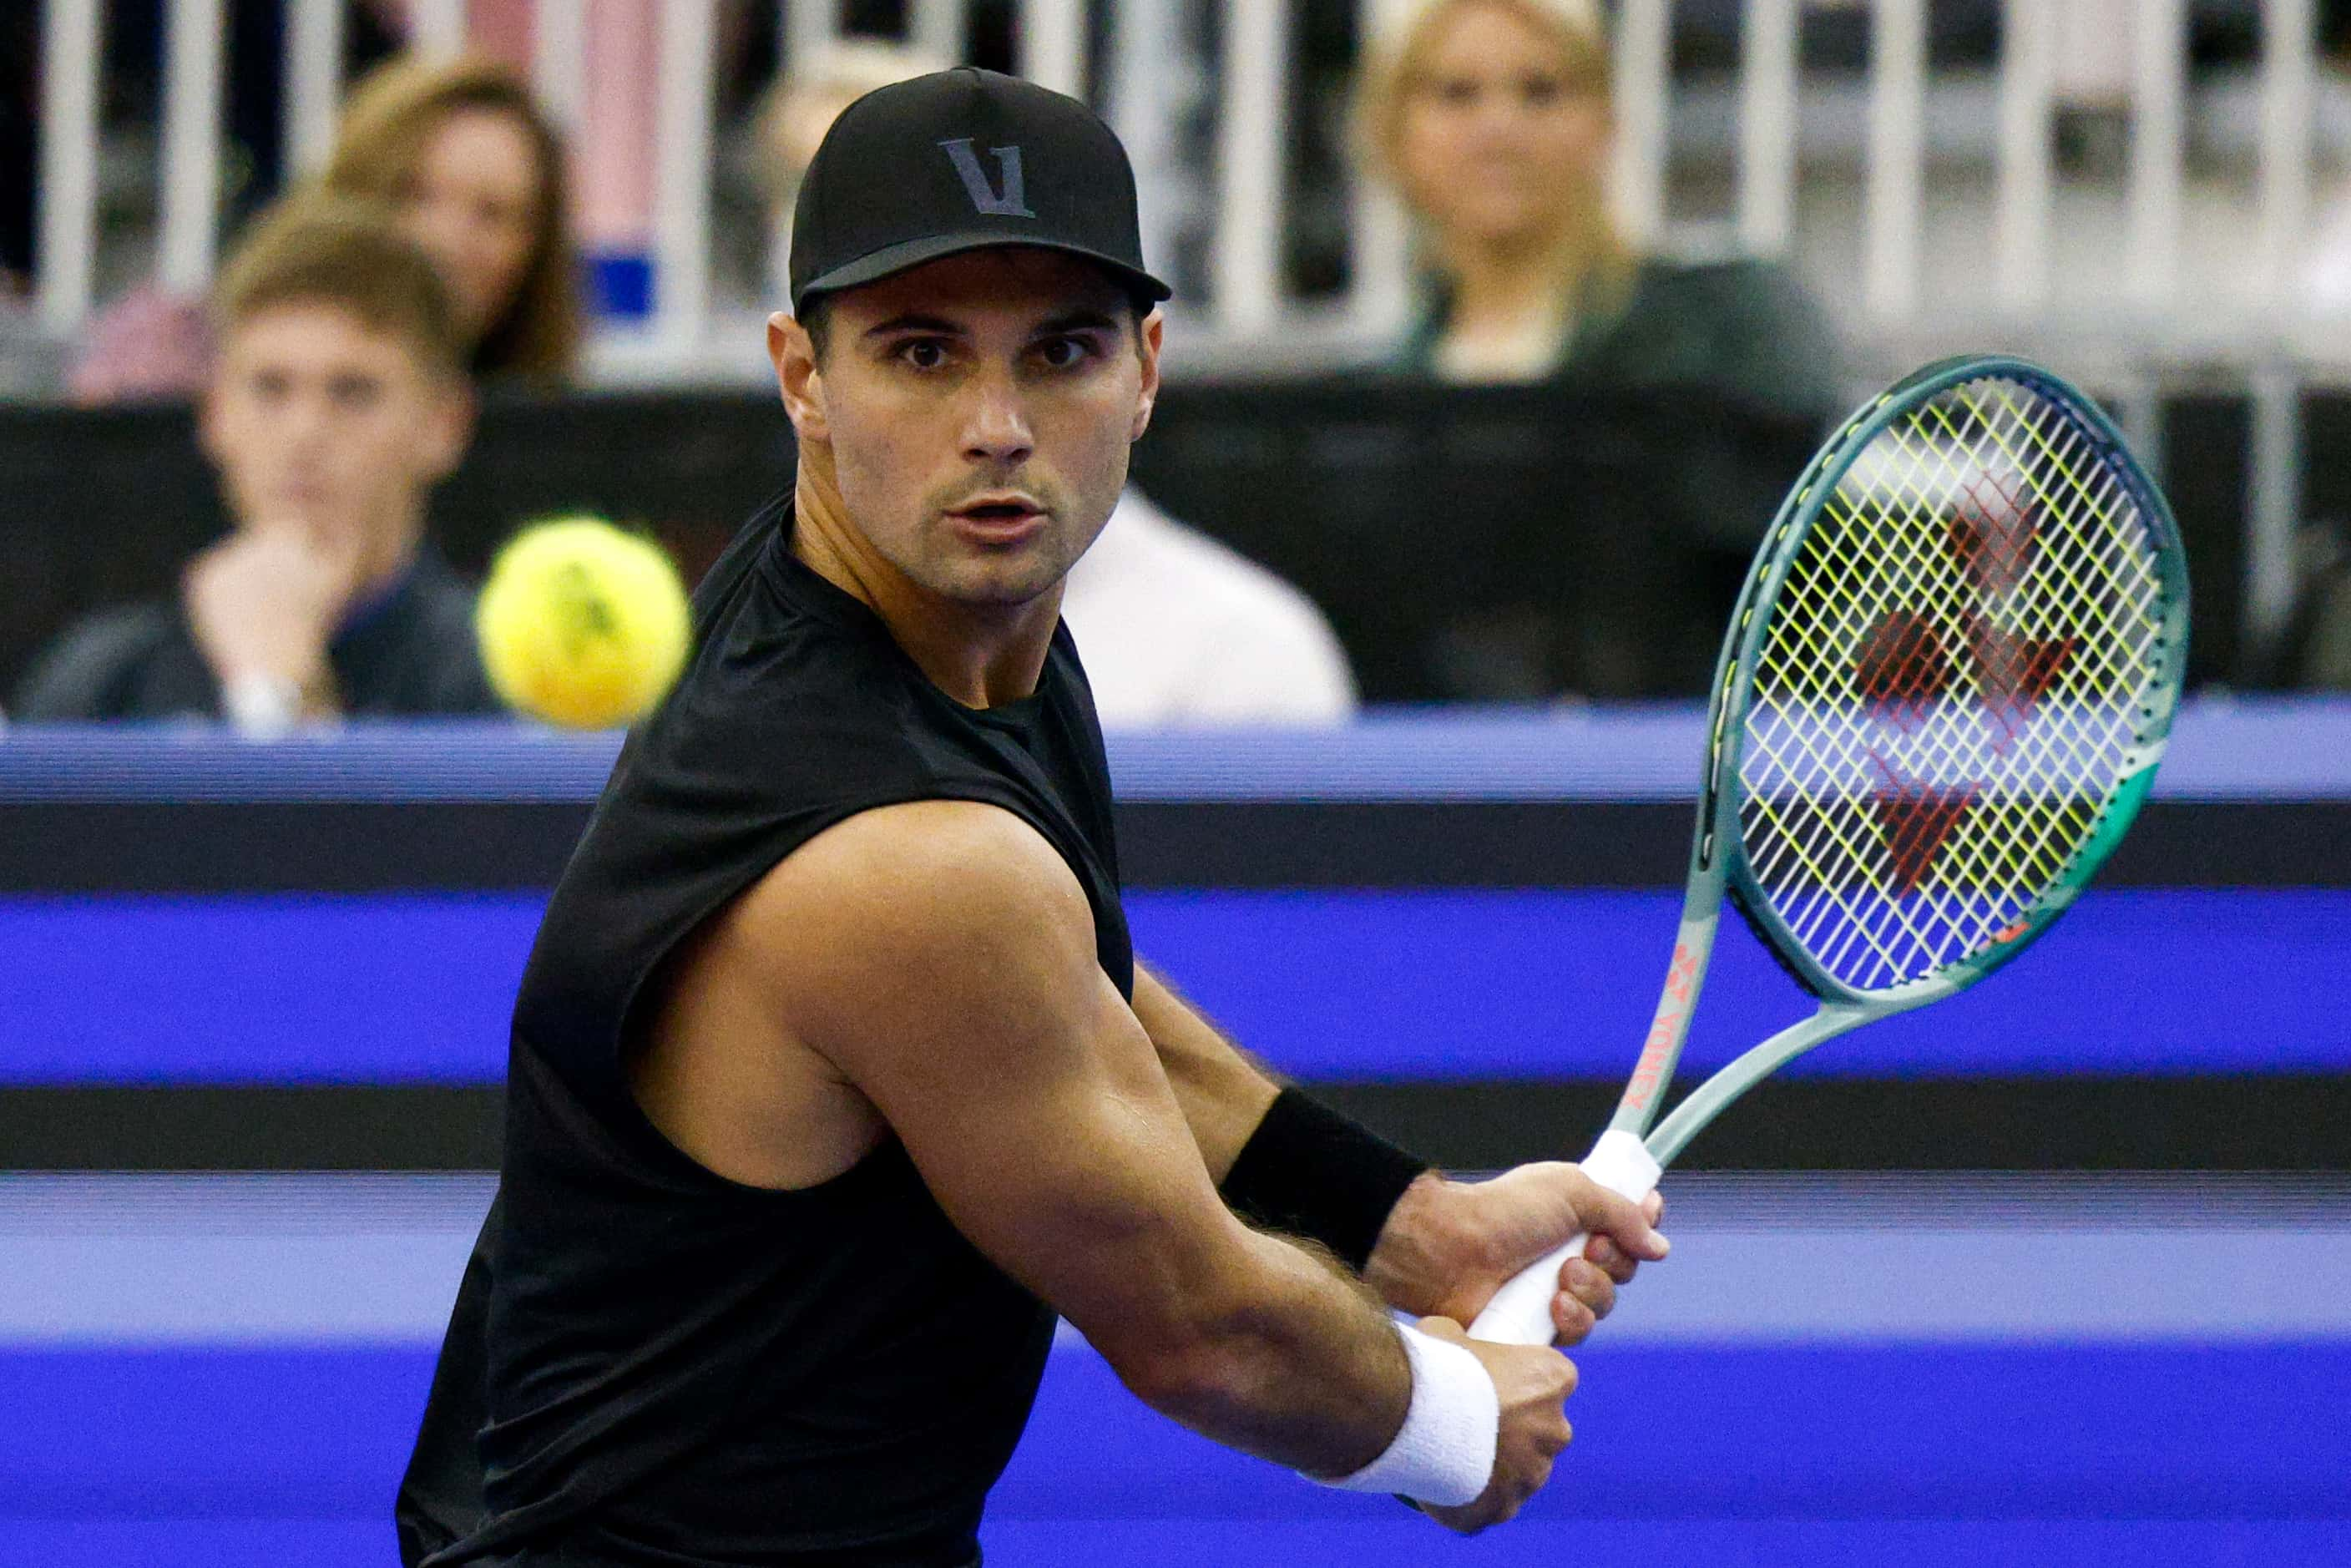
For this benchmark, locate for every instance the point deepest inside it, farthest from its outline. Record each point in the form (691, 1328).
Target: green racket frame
(1717, 855)
(1629, 1156)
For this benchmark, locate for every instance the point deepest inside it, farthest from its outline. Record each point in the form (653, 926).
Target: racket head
(1947, 686)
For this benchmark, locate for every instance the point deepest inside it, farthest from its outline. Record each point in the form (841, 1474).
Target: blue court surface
(1888, 1454)
(1499, 983)
(206, 1371)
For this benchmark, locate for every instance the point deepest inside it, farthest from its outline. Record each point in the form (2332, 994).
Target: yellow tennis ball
(581, 623)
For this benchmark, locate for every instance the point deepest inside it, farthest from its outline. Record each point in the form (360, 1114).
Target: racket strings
(1919, 659)
(1951, 685)
(1913, 667)
(1903, 667)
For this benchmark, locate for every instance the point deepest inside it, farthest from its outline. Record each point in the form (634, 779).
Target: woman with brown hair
(473, 173)
(1493, 120)
(476, 171)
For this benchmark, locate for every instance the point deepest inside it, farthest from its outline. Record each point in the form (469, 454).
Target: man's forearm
(1301, 1368)
(1223, 1092)
(1306, 1370)
(1311, 1172)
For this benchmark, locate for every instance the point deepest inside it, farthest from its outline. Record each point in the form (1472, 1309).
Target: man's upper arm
(941, 956)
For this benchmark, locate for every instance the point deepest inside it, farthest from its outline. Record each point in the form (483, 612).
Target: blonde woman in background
(1493, 120)
(472, 171)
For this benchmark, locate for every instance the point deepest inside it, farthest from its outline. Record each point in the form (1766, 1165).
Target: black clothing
(1742, 330)
(1706, 388)
(682, 1370)
(411, 652)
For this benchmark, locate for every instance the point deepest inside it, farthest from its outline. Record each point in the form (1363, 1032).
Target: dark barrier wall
(302, 956)
(1497, 543)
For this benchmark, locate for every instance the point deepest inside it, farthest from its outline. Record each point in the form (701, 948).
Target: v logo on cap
(876, 202)
(1013, 202)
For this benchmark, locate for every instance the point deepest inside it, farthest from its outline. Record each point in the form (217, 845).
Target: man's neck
(980, 655)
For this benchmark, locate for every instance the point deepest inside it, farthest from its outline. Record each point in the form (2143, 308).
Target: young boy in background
(337, 401)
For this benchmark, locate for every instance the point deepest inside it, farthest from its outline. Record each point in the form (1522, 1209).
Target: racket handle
(1519, 1312)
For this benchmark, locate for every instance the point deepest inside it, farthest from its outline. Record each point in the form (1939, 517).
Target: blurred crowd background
(1500, 325)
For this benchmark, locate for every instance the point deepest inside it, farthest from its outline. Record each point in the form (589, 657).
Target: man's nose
(306, 418)
(998, 428)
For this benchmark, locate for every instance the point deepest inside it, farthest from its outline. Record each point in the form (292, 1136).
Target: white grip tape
(1519, 1312)
(1444, 1452)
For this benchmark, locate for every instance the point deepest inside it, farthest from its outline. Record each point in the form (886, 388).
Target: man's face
(321, 423)
(976, 413)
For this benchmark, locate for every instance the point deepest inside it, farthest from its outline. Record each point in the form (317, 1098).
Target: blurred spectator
(1176, 629)
(1173, 626)
(802, 107)
(2318, 644)
(337, 400)
(475, 173)
(1493, 120)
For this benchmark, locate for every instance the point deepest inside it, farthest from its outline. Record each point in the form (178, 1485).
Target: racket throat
(1661, 1049)
(1744, 1072)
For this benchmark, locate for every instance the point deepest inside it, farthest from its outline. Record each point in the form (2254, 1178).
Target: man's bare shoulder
(904, 907)
(946, 859)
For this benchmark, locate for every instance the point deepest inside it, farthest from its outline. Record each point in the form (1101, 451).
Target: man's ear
(793, 353)
(448, 427)
(1146, 344)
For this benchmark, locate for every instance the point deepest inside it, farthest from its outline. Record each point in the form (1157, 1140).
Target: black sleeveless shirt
(682, 1370)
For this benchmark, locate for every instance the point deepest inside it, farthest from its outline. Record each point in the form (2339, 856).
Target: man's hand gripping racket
(1941, 699)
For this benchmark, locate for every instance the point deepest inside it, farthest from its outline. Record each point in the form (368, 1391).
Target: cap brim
(898, 258)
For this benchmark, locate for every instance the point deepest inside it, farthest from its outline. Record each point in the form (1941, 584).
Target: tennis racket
(1944, 692)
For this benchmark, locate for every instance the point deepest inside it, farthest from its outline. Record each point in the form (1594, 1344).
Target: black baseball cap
(959, 160)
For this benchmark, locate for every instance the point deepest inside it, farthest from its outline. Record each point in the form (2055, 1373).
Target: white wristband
(262, 708)
(1444, 1453)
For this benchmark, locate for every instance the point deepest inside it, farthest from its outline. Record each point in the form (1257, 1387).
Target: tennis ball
(581, 623)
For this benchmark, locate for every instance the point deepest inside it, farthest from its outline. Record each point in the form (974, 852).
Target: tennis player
(834, 1077)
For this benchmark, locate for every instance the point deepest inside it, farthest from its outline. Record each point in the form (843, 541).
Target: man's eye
(1064, 353)
(1457, 92)
(924, 353)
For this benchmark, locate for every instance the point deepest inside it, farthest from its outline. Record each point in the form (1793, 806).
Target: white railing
(1898, 131)
(1244, 199)
(2158, 146)
(68, 219)
(2186, 274)
(1766, 128)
